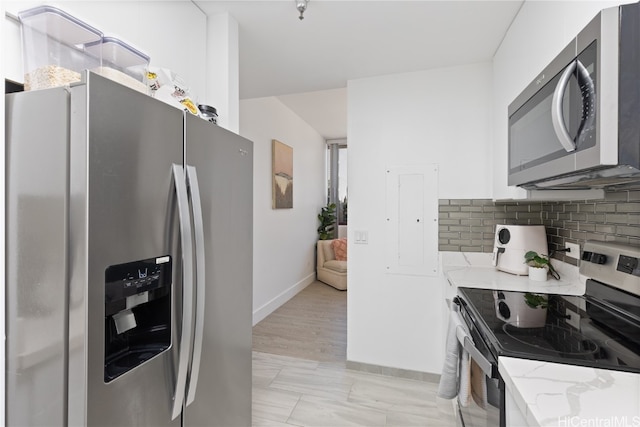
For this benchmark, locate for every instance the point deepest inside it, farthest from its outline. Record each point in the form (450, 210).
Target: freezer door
(126, 287)
(223, 162)
(37, 172)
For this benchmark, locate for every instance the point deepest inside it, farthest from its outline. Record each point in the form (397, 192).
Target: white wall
(2, 231)
(439, 117)
(284, 239)
(223, 77)
(539, 32)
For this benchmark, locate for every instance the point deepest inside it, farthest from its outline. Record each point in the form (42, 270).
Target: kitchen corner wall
(411, 119)
(468, 225)
(3, 26)
(223, 74)
(284, 239)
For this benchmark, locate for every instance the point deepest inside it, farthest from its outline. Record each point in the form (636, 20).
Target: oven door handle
(487, 367)
(466, 342)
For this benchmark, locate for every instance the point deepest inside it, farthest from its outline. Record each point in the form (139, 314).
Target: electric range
(599, 329)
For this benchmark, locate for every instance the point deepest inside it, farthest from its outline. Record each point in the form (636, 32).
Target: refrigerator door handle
(179, 184)
(198, 225)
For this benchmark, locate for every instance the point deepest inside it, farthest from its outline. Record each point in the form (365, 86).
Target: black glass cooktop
(600, 330)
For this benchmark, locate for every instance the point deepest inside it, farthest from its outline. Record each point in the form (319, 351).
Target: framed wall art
(282, 167)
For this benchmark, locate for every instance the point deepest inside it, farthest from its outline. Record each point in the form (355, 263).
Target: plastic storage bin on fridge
(121, 62)
(54, 52)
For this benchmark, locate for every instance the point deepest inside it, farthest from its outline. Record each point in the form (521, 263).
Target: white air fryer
(512, 242)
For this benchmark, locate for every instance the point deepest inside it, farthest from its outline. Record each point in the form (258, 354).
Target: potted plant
(539, 266)
(327, 218)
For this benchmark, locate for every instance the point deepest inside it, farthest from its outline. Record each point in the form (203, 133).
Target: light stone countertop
(553, 394)
(475, 271)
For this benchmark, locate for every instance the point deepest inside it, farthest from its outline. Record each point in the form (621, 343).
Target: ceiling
(307, 63)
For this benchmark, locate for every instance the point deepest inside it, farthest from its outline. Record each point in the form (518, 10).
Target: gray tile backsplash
(468, 225)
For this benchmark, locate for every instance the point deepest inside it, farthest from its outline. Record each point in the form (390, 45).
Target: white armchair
(330, 270)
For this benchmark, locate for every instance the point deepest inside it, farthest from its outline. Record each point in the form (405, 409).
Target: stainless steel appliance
(575, 126)
(474, 410)
(512, 242)
(600, 329)
(129, 262)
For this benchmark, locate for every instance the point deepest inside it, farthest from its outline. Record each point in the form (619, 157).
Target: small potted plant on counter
(539, 266)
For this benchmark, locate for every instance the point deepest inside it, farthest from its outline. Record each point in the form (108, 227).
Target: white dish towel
(456, 363)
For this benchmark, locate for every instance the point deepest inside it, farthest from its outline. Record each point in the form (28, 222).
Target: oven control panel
(613, 263)
(626, 264)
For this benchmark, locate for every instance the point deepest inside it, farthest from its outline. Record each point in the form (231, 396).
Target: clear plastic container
(53, 43)
(121, 62)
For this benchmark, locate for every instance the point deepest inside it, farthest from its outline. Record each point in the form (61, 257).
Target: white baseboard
(283, 297)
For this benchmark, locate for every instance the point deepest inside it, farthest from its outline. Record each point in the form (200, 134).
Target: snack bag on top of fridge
(168, 87)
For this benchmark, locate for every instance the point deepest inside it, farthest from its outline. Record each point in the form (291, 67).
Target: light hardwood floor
(311, 325)
(300, 376)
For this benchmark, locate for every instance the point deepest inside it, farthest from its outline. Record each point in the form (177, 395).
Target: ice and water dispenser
(137, 314)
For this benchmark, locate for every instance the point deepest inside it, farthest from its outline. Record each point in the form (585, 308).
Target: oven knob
(503, 308)
(594, 257)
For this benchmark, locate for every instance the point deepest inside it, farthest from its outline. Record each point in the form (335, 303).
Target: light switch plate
(361, 237)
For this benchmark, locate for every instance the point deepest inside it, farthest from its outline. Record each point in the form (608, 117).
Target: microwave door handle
(586, 83)
(556, 109)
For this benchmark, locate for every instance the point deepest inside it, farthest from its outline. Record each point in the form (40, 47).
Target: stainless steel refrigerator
(129, 262)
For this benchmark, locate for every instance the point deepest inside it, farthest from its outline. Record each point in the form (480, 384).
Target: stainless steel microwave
(577, 125)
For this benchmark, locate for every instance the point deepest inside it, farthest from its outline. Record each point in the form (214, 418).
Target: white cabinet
(538, 33)
(514, 415)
